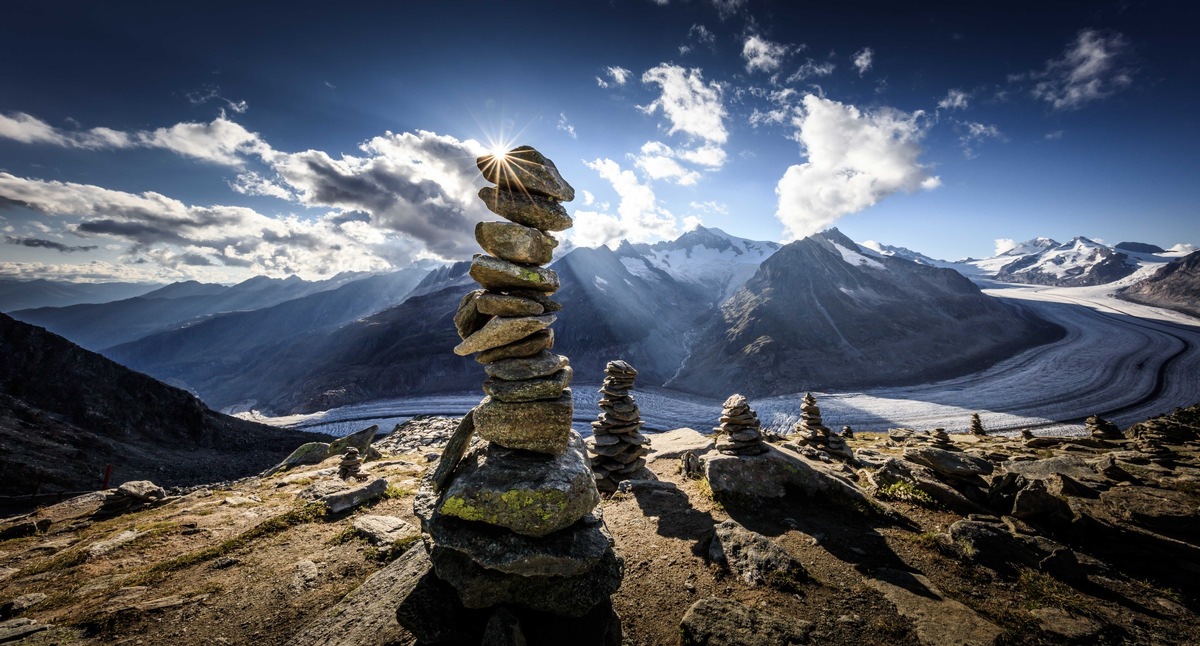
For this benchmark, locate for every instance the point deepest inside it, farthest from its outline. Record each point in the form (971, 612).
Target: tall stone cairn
(811, 430)
(740, 432)
(618, 448)
(977, 425)
(510, 523)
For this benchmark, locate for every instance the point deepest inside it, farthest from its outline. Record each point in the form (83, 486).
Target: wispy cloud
(855, 159)
(565, 126)
(811, 69)
(955, 100)
(1092, 67)
(639, 216)
(762, 55)
(616, 74)
(974, 134)
(863, 60)
(48, 244)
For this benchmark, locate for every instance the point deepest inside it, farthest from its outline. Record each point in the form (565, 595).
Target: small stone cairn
(350, 465)
(740, 432)
(977, 425)
(1102, 429)
(618, 448)
(509, 523)
(847, 433)
(941, 439)
(811, 433)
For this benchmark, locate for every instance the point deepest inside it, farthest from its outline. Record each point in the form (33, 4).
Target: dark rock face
(1175, 286)
(66, 412)
(810, 320)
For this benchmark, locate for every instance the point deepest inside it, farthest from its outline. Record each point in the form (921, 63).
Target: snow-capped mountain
(1175, 285)
(870, 247)
(1076, 263)
(706, 257)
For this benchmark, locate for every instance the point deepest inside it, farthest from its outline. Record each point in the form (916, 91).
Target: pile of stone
(740, 432)
(847, 433)
(977, 425)
(509, 522)
(351, 465)
(1102, 429)
(941, 439)
(811, 432)
(618, 448)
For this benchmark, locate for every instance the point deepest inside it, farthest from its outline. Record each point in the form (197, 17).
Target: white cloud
(726, 8)
(28, 129)
(811, 69)
(702, 35)
(783, 105)
(1053, 136)
(689, 103)
(1092, 67)
(587, 198)
(618, 76)
(565, 126)
(657, 161)
(855, 159)
(762, 55)
(706, 155)
(955, 100)
(1004, 245)
(710, 206)
(974, 134)
(639, 217)
(863, 59)
(691, 222)
(251, 183)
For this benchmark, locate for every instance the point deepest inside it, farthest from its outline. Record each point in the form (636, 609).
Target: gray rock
(360, 440)
(951, 464)
(507, 305)
(515, 242)
(529, 493)
(754, 558)
(304, 575)
(351, 498)
(17, 605)
(500, 331)
(939, 621)
(142, 490)
(572, 596)
(529, 390)
(924, 480)
(541, 364)
(308, 453)
(714, 622)
(1035, 502)
(1160, 510)
(770, 474)
(541, 426)
(468, 318)
(382, 530)
(501, 275)
(548, 304)
(456, 446)
(567, 552)
(530, 345)
(525, 170)
(536, 211)
(19, 628)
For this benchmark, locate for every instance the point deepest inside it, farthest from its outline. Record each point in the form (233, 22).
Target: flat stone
(529, 346)
(715, 621)
(529, 493)
(1061, 623)
(468, 318)
(526, 170)
(951, 464)
(769, 474)
(541, 364)
(515, 242)
(501, 275)
(572, 596)
(568, 552)
(307, 453)
(382, 530)
(505, 305)
(102, 548)
(529, 390)
(17, 605)
(456, 446)
(501, 331)
(673, 444)
(142, 490)
(542, 299)
(19, 628)
(939, 621)
(351, 498)
(542, 426)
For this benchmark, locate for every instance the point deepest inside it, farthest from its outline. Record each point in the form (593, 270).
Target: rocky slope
(1175, 285)
(820, 314)
(66, 412)
(985, 540)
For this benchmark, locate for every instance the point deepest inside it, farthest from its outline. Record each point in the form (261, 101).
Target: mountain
(1139, 247)
(1076, 263)
(872, 248)
(1175, 285)
(706, 257)
(26, 294)
(202, 356)
(66, 412)
(821, 314)
(99, 326)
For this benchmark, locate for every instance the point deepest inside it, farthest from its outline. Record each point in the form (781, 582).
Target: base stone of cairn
(618, 449)
(739, 432)
(510, 524)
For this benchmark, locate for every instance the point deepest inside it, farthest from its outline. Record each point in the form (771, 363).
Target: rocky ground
(974, 540)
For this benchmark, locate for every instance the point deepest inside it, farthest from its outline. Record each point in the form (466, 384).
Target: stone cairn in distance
(977, 425)
(618, 448)
(740, 432)
(811, 431)
(510, 523)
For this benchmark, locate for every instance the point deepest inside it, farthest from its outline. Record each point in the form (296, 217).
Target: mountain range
(1175, 285)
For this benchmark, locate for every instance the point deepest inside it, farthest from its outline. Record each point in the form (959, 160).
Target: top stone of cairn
(524, 169)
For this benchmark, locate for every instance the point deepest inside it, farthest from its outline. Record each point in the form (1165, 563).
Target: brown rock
(535, 211)
(502, 331)
(539, 365)
(541, 426)
(515, 242)
(526, 170)
(528, 390)
(505, 305)
(500, 275)
(468, 318)
(530, 345)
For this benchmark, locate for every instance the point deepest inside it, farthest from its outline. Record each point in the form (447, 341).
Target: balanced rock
(525, 170)
(468, 318)
(740, 432)
(506, 305)
(501, 331)
(618, 448)
(515, 242)
(541, 426)
(1102, 429)
(977, 425)
(501, 275)
(541, 364)
(529, 390)
(531, 210)
(530, 345)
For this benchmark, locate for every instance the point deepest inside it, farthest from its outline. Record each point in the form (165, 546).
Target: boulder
(429, 607)
(515, 242)
(382, 530)
(530, 493)
(307, 453)
(673, 444)
(523, 169)
(143, 490)
(347, 499)
(714, 621)
(568, 552)
(951, 464)
(541, 426)
(754, 558)
(502, 330)
(501, 275)
(939, 621)
(360, 440)
(1161, 510)
(770, 474)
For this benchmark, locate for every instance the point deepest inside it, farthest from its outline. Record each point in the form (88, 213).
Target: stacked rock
(350, 464)
(1026, 434)
(1102, 429)
(740, 432)
(811, 430)
(847, 433)
(977, 425)
(618, 448)
(941, 439)
(510, 525)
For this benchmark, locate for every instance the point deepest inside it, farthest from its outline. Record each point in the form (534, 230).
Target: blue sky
(164, 142)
